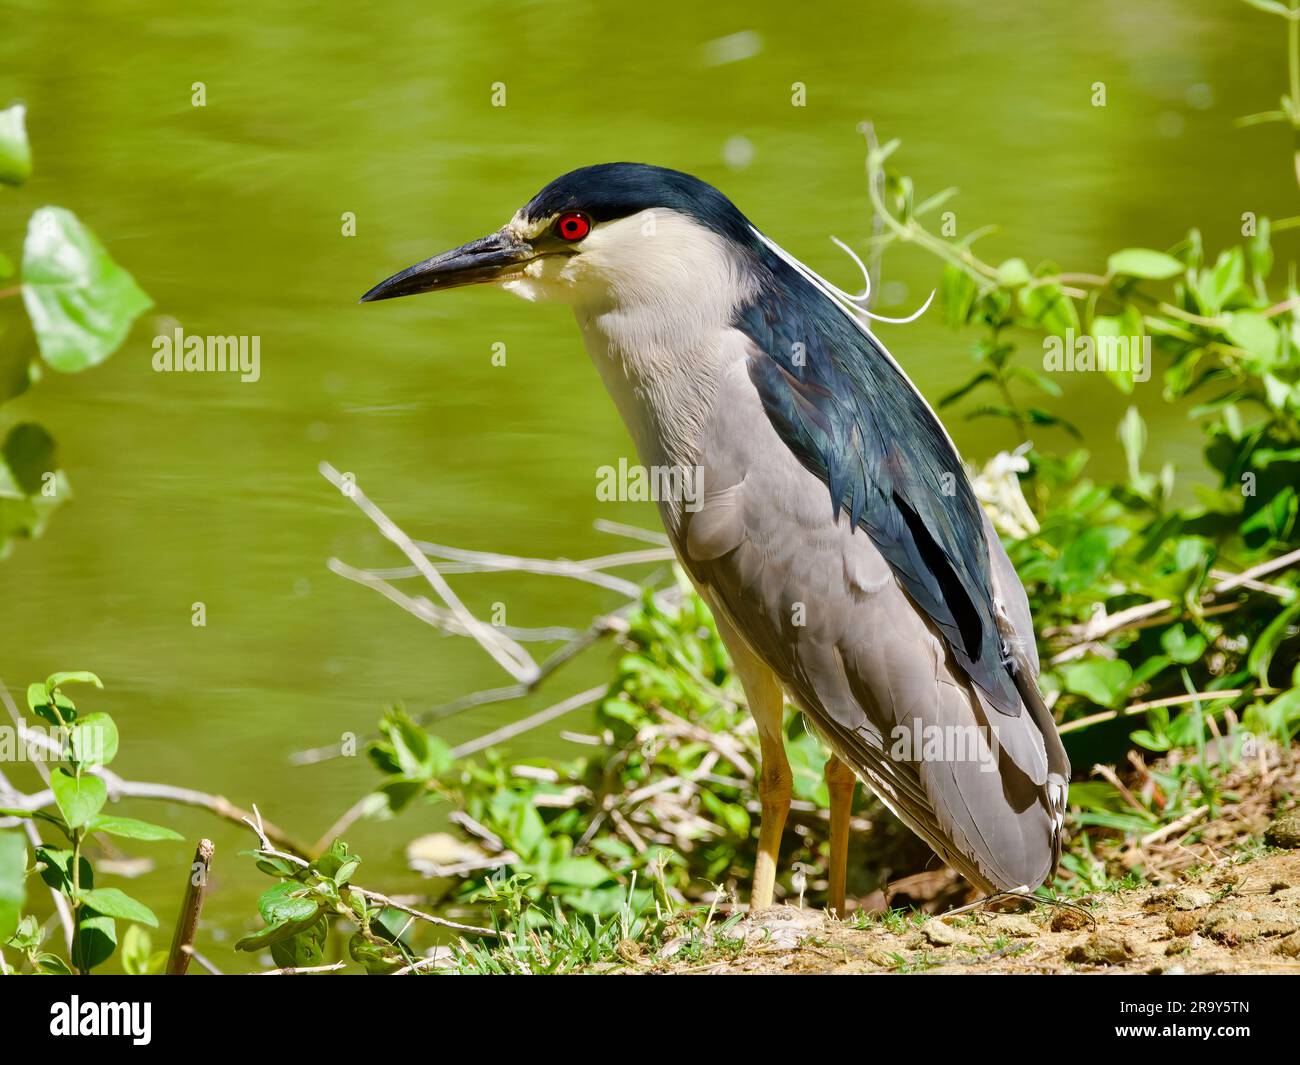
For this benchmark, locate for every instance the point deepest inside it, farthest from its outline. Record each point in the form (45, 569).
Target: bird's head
(599, 236)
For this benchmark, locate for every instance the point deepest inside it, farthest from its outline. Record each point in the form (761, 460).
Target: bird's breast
(662, 374)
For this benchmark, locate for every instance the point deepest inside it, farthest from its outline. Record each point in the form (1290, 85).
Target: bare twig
(204, 963)
(506, 652)
(301, 970)
(1095, 629)
(1174, 827)
(139, 789)
(481, 561)
(1108, 774)
(443, 620)
(1172, 700)
(423, 963)
(632, 532)
(187, 921)
(542, 717)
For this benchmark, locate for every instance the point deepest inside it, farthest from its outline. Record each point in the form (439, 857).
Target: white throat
(654, 295)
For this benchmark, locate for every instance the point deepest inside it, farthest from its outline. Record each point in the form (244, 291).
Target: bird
(833, 534)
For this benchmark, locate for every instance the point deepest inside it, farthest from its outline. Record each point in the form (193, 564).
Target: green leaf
(934, 202)
(93, 740)
(957, 293)
(274, 933)
(138, 959)
(53, 965)
(57, 869)
(1182, 647)
(1039, 381)
(1013, 273)
(15, 152)
(1256, 335)
(28, 935)
(1086, 558)
(1217, 286)
(304, 949)
(336, 863)
(76, 676)
(1132, 434)
(40, 702)
(376, 959)
(1119, 338)
(29, 455)
(580, 872)
(95, 941)
(286, 901)
(1259, 249)
(79, 798)
(1261, 653)
(130, 828)
(733, 815)
(1048, 306)
(1102, 680)
(13, 888)
(80, 301)
(1143, 262)
(958, 393)
(19, 364)
(113, 902)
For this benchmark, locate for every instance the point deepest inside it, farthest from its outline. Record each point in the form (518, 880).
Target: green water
(199, 488)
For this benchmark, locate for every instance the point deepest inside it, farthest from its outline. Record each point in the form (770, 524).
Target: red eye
(573, 226)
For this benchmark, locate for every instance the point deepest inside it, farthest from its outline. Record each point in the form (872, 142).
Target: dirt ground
(1243, 917)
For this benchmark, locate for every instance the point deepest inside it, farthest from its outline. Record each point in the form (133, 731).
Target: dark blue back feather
(853, 419)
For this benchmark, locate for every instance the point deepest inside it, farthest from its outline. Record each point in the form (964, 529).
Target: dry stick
(1184, 822)
(299, 970)
(507, 653)
(1172, 700)
(139, 789)
(422, 963)
(481, 561)
(632, 532)
(600, 626)
(1126, 618)
(1278, 591)
(440, 619)
(1108, 774)
(508, 732)
(133, 789)
(187, 921)
(203, 962)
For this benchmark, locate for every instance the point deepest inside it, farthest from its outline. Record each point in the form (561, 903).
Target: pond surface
(197, 488)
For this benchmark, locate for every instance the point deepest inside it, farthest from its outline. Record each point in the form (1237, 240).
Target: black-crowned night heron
(836, 537)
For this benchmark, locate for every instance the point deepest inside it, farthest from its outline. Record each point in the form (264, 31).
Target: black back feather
(844, 409)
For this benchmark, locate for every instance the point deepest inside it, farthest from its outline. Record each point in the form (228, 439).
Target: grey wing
(822, 607)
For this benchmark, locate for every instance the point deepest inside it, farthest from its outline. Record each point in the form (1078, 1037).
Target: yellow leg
(766, 704)
(774, 797)
(840, 782)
